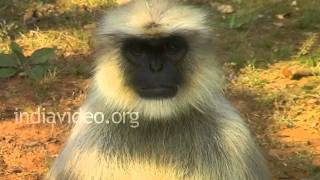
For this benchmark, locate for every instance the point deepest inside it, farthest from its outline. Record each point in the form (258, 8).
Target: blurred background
(269, 50)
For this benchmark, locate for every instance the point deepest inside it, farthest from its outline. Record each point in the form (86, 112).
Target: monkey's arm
(242, 156)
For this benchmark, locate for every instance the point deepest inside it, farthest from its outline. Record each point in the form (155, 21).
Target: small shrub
(35, 67)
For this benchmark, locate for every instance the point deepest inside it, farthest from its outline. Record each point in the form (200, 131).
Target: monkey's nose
(156, 66)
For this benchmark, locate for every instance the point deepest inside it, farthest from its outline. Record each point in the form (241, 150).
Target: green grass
(251, 32)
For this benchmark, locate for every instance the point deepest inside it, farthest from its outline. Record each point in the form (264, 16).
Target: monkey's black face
(154, 65)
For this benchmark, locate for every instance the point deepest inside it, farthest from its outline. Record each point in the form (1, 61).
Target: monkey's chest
(156, 157)
(155, 167)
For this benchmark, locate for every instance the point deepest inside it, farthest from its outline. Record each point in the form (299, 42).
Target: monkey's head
(155, 57)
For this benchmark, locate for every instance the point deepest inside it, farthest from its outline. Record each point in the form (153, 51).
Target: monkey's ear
(122, 2)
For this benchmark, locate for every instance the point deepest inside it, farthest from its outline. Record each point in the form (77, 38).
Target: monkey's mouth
(159, 92)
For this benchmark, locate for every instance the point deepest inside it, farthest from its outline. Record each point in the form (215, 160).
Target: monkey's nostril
(156, 66)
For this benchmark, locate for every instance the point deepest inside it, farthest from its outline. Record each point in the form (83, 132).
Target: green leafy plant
(35, 66)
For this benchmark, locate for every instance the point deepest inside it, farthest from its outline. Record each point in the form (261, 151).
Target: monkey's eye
(172, 47)
(175, 49)
(137, 51)
(134, 52)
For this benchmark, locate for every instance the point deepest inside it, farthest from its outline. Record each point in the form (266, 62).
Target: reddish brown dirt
(287, 125)
(27, 150)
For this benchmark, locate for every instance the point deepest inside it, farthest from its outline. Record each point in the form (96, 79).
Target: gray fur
(200, 146)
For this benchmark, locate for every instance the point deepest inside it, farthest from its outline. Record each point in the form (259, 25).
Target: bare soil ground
(284, 117)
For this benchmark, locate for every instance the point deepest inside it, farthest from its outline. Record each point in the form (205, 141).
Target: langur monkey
(155, 58)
